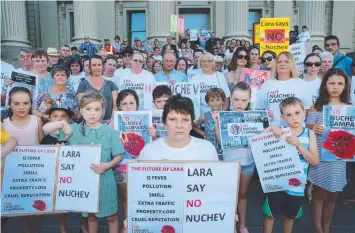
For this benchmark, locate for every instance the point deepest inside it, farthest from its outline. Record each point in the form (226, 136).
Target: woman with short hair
(327, 63)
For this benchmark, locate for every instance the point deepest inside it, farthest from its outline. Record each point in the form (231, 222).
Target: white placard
(184, 197)
(78, 186)
(278, 163)
(193, 34)
(299, 52)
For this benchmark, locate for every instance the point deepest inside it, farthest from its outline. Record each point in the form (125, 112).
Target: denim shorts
(248, 169)
(120, 177)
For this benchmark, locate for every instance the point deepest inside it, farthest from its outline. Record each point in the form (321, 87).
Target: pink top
(25, 136)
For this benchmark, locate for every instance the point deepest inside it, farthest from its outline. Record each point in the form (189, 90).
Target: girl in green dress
(92, 131)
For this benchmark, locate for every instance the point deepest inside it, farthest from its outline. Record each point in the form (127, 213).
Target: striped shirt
(304, 140)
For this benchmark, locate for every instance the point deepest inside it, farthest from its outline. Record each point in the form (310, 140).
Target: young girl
(240, 99)
(92, 131)
(328, 178)
(76, 75)
(27, 130)
(127, 100)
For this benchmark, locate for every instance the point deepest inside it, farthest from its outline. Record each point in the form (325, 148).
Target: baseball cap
(86, 37)
(67, 110)
(52, 52)
(106, 39)
(117, 37)
(218, 59)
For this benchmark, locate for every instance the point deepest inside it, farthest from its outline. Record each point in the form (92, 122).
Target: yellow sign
(274, 34)
(173, 23)
(256, 33)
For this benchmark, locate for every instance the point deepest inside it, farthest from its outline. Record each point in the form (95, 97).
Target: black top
(50, 140)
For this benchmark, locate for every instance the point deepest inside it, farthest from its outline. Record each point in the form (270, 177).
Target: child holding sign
(240, 100)
(328, 178)
(92, 131)
(289, 202)
(215, 98)
(127, 100)
(27, 130)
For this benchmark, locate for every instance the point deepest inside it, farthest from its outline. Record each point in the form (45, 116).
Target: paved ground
(343, 220)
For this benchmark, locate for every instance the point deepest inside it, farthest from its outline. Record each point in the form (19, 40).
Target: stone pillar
(312, 14)
(159, 19)
(86, 21)
(237, 16)
(14, 24)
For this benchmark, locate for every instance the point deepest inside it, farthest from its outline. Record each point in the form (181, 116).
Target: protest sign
(190, 90)
(48, 179)
(339, 133)
(28, 180)
(236, 127)
(193, 34)
(278, 163)
(132, 127)
(299, 53)
(173, 23)
(72, 192)
(182, 196)
(256, 33)
(181, 22)
(157, 119)
(255, 78)
(352, 90)
(23, 78)
(274, 34)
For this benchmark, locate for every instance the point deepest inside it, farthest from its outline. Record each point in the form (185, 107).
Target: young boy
(215, 98)
(161, 94)
(289, 202)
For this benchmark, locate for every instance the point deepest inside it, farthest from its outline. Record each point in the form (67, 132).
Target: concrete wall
(49, 22)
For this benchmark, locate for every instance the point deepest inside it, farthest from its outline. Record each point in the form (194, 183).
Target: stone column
(312, 14)
(14, 24)
(86, 21)
(159, 19)
(237, 16)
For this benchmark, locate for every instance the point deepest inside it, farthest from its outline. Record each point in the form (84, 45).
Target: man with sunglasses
(127, 54)
(88, 46)
(332, 45)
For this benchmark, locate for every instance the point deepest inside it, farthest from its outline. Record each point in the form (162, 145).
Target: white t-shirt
(207, 82)
(136, 82)
(192, 72)
(6, 70)
(197, 149)
(158, 58)
(304, 36)
(313, 88)
(244, 155)
(273, 91)
(75, 80)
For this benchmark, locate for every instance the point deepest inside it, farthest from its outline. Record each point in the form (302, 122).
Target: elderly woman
(208, 78)
(178, 117)
(327, 63)
(285, 84)
(136, 77)
(96, 83)
(239, 61)
(57, 96)
(312, 63)
(268, 60)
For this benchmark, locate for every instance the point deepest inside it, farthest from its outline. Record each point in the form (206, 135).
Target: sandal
(348, 201)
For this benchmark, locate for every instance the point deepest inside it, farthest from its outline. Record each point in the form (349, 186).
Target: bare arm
(9, 145)
(116, 160)
(216, 128)
(310, 155)
(114, 98)
(197, 123)
(40, 130)
(52, 127)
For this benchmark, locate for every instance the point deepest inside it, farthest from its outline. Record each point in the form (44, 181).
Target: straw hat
(52, 52)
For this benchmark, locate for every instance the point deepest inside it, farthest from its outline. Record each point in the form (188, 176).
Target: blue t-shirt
(175, 75)
(344, 64)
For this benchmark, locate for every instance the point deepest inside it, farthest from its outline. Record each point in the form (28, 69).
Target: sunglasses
(138, 61)
(245, 57)
(263, 60)
(310, 64)
(125, 41)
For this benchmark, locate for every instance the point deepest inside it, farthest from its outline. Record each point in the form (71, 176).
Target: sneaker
(244, 230)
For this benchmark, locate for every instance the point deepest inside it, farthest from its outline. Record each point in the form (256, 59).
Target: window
(254, 17)
(195, 18)
(136, 26)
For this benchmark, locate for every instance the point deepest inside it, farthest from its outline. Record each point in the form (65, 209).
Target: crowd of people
(78, 89)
